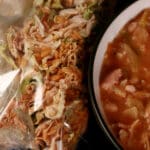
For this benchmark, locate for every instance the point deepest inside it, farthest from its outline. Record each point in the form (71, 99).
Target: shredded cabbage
(9, 60)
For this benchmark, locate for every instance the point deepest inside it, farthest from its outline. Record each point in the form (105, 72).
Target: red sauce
(125, 84)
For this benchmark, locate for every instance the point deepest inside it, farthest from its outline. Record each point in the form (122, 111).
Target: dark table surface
(94, 138)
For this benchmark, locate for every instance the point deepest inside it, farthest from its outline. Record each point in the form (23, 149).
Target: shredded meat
(112, 79)
(48, 48)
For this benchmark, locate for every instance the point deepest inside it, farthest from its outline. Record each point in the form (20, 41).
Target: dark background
(94, 138)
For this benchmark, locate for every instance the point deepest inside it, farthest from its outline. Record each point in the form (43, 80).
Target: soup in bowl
(121, 79)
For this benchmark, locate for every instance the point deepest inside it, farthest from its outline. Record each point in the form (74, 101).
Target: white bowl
(112, 31)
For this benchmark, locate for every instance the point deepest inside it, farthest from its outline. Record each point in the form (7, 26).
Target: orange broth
(125, 84)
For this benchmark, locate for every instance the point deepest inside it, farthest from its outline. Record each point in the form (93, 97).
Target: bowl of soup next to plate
(121, 79)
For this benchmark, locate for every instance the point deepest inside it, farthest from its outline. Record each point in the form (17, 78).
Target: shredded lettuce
(87, 14)
(24, 84)
(8, 59)
(89, 11)
(57, 4)
(34, 78)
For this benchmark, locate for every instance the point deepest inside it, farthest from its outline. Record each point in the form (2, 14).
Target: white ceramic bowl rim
(112, 31)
